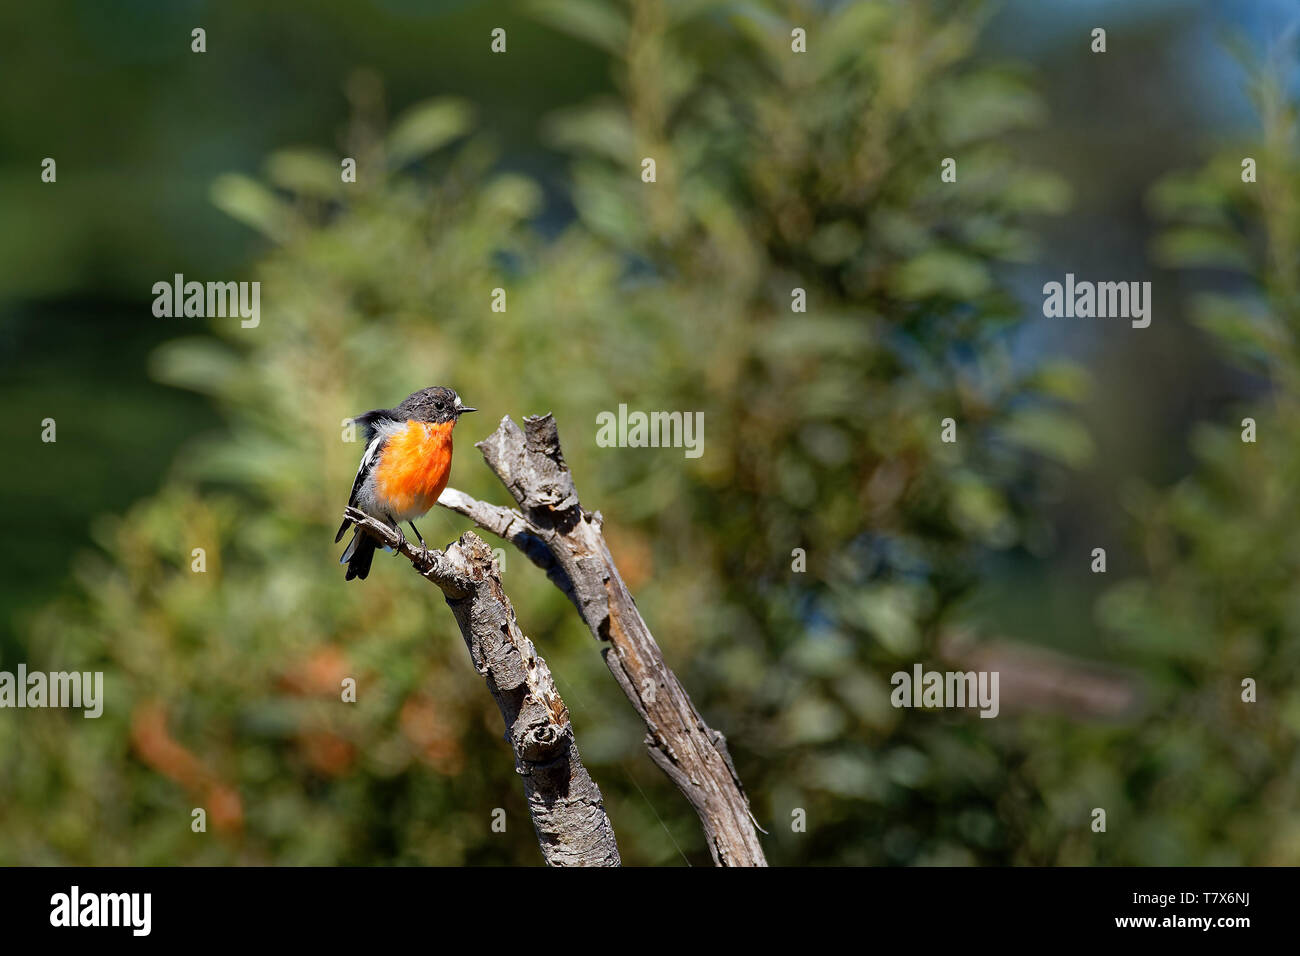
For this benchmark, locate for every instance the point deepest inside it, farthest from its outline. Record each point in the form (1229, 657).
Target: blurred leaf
(515, 197)
(850, 29)
(252, 204)
(1245, 327)
(886, 612)
(1040, 192)
(425, 128)
(1189, 198)
(309, 172)
(200, 364)
(988, 104)
(1062, 379)
(1191, 247)
(942, 272)
(601, 130)
(811, 720)
(980, 511)
(1055, 434)
(600, 24)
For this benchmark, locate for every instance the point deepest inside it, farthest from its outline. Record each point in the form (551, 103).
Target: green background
(775, 171)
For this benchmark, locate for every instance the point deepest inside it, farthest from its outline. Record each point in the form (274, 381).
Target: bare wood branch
(513, 527)
(575, 556)
(565, 803)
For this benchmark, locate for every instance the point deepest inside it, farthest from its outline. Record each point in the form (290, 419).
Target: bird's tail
(358, 555)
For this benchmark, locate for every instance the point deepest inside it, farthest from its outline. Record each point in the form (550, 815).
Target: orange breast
(414, 467)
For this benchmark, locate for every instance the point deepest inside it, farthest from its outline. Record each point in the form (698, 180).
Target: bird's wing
(372, 423)
(376, 426)
(368, 461)
(367, 464)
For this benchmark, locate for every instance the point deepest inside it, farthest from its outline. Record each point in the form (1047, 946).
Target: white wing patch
(363, 491)
(363, 471)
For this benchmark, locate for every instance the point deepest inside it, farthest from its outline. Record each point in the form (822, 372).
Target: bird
(404, 469)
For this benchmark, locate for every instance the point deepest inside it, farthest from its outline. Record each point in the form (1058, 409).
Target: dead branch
(551, 528)
(565, 803)
(1038, 681)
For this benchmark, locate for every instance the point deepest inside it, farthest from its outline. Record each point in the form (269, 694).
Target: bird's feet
(424, 548)
(401, 539)
(421, 550)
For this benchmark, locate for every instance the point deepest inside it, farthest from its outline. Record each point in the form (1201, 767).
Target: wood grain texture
(567, 809)
(553, 530)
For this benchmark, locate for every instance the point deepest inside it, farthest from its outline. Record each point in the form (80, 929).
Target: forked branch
(566, 806)
(553, 530)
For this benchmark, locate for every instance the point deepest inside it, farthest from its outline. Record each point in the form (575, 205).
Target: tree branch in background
(1035, 680)
(552, 529)
(566, 806)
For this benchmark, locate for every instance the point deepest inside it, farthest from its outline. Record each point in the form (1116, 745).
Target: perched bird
(404, 469)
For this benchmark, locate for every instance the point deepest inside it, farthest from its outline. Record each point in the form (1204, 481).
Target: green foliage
(1206, 778)
(822, 431)
(780, 171)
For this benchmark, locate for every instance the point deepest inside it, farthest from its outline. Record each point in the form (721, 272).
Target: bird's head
(436, 404)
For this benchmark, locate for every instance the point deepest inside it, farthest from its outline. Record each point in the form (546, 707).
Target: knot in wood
(543, 742)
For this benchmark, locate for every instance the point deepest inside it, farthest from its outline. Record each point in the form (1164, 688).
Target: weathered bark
(552, 529)
(566, 806)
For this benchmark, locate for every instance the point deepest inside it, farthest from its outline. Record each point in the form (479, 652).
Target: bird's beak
(462, 409)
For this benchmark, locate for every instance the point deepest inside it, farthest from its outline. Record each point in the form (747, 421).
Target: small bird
(404, 470)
